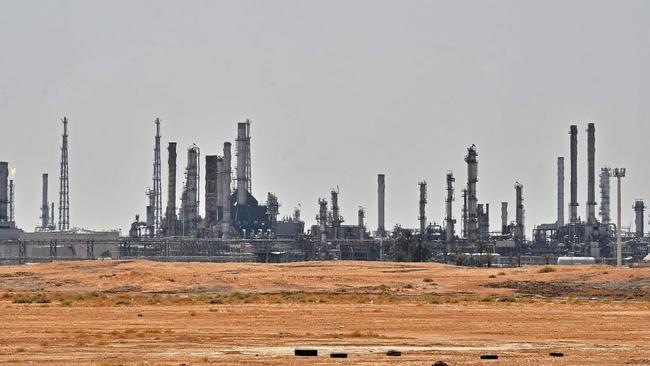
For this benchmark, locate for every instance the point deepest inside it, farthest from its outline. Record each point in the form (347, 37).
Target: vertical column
(381, 195)
(560, 192)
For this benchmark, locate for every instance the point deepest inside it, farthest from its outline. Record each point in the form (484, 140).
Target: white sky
(337, 90)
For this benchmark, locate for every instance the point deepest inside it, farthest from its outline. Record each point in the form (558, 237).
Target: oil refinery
(234, 225)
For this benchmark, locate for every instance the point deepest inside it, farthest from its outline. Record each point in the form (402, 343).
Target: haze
(338, 91)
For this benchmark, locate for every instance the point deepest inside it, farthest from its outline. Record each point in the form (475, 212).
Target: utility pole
(619, 173)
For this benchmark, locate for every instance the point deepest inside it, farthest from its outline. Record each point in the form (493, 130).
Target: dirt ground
(149, 313)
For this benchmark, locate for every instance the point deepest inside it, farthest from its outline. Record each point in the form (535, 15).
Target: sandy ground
(147, 313)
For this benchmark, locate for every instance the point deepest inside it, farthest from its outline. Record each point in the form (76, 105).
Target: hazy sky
(338, 91)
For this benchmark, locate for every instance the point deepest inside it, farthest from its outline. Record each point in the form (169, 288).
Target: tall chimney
(560, 192)
(423, 202)
(12, 202)
(519, 215)
(45, 206)
(170, 213)
(242, 163)
(472, 201)
(219, 179)
(591, 174)
(449, 219)
(227, 172)
(211, 192)
(573, 205)
(605, 174)
(639, 209)
(504, 218)
(381, 195)
(4, 198)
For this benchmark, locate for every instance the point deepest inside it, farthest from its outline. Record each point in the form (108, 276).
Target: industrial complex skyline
(369, 109)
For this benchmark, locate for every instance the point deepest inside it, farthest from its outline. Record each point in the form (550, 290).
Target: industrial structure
(232, 225)
(64, 188)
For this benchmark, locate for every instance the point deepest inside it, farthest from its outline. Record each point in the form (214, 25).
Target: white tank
(569, 261)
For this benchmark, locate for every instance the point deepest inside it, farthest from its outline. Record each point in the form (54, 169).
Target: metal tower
(249, 182)
(157, 183)
(64, 188)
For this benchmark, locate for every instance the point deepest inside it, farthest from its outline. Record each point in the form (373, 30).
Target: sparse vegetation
(32, 299)
(431, 299)
(546, 269)
(124, 301)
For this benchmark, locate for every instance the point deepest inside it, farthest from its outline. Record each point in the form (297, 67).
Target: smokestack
(242, 162)
(211, 192)
(472, 201)
(605, 174)
(560, 192)
(45, 206)
(591, 174)
(170, 213)
(227, 171)
(504, 218)
(219, 181)
(423, 202)
(362, 215)
(381, 195)
(573, 205)
(12, 202)
(52, 216)
(4, 198)
(519, 217)
(449, 216)
(639, 209)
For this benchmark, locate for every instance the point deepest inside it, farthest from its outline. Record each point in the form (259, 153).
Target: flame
(13, 173)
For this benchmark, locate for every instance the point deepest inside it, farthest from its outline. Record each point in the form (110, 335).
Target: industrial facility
(234, 225)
